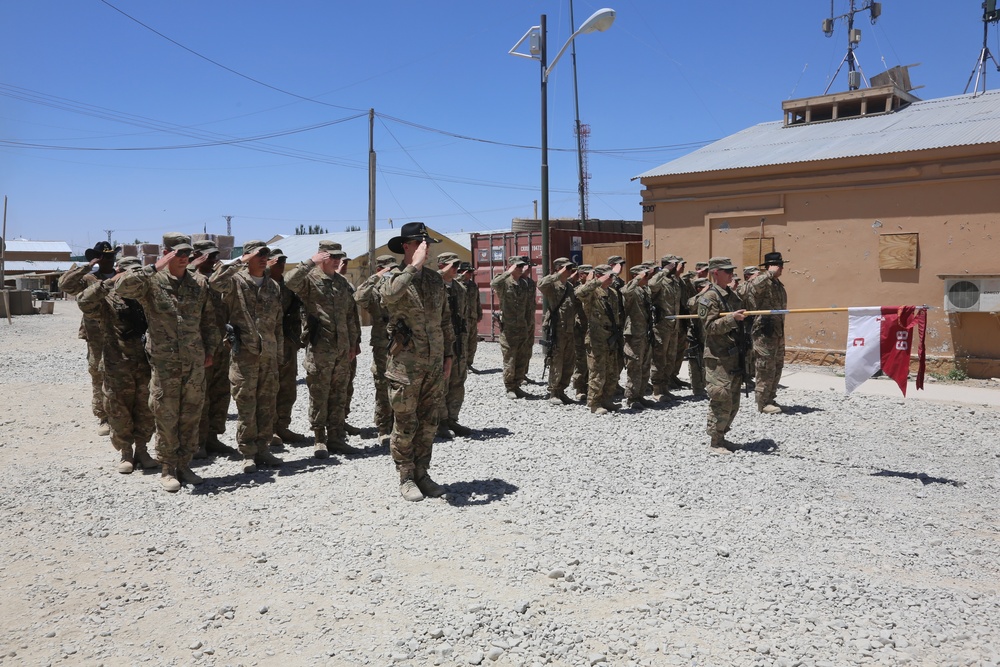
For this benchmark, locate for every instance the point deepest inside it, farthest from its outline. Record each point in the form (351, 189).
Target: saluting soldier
(448, 264)
(603, 339)
(580, 373)
(638, 331)
(474, 314)
(766, 292)
(516, 292)
(559, 323)
(367, 296)
(288, 361)
(665, 291)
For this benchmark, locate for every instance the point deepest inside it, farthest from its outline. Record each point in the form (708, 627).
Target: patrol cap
(256, 247)
(465, 267)
(125, 263)
(615, 259)
(519, 260)
(562, 262)
(206, 247)
(698, 266)
(700, 282)
(585, 268)
(723, 263)
(637, 269)
(668, 259)
(177, 241)
(448, 258)
(602, 270)
(332, 247)
(750, 270)
(383, 261)
(276, 253)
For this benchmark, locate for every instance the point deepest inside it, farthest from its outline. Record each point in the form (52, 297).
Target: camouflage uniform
(603, 336)
(353, 366)
(517, 332)
(218, 392)
(638, 332)
(581, 375)
(126, 386)
(288, 363)
(74, 282)
(182, 334)
(367, 297)
(665, 292)
(422, 337)
(766, 292)
(474, 317)
(455, 382)
(696, 346)
(686, 292)
(255, 314)
(722, 360)
(561, 300)
(332, 333)
(618, 299)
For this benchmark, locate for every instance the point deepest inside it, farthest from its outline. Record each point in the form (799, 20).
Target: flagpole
(789, 311)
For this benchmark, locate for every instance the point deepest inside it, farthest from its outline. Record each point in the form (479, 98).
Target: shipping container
(130, 250)
(490, 253)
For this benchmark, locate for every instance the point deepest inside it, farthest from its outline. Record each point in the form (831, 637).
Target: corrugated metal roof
(962, 120)
(38, 266)
(301, 247)
(23, 245)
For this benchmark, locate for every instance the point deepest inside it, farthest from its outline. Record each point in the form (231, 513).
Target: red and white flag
(882, 338)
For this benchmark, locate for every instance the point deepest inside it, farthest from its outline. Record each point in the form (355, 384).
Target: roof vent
(851, 104)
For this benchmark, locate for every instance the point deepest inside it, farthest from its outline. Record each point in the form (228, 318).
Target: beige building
(873, 197)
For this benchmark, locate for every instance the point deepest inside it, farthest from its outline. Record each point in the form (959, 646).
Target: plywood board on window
(897, 251)
(754, 250)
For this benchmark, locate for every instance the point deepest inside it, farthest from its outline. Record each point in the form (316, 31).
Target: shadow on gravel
(483, 434)
(378, 449)
(765, 446)
(800, 409)
(485, 371)
(922, 476)
(478, 492)
(238, 481)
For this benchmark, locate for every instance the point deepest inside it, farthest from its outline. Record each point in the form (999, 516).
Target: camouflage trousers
(581, 375)
(383, 411)
(415, 405)
(254, 380)
(516, 349)
(602, 361)
(769, 361)
(328, 375)
(637, 367)
(287, 387)
(218, 393)
(562, 363)
(723, 380)
(126, 398)
(680, 351)
(94, 355)
(455, 388)
(472, 343)
(662, 355)
(353, 371)
(176, 397)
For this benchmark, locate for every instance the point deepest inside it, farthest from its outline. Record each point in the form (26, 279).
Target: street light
(599, 21)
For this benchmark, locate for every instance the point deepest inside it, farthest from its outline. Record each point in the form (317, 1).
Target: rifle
(400, 336)
(233, 336)
(457, 322)
(743, 345)
(549, 338)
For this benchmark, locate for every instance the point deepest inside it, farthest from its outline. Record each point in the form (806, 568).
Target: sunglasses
(183, 252)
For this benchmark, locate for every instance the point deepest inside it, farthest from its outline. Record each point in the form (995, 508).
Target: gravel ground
(851, 530)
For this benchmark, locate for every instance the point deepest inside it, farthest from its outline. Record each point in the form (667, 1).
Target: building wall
(827, 221)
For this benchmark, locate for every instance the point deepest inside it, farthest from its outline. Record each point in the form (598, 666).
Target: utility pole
(371, 192)
(109, 232)
(229, 224)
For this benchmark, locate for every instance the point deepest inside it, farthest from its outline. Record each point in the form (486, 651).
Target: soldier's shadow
(799, 409)
(765, 446)
(484, 434)
(241, 481)
(478, 492)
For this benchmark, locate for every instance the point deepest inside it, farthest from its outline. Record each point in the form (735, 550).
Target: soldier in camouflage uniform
(100, 266)
(723, 341)
(516, 292)
(288, 363)
(218, 393)
(367, 297)
(475, 312)
(766, 292)
(580, 374)
(617, 264)
(354, 315)
(604, 335)
(255, 333)
(180, 343)
(333, 336)
(638, 336)
(665, 292)
(448, 264)
(422, 341)
(748, 273)
(559, 322)
(126, 387)
(696, 341)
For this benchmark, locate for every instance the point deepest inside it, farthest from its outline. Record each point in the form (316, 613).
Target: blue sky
(267, 132)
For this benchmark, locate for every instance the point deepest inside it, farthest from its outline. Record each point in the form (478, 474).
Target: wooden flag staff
(790, 311)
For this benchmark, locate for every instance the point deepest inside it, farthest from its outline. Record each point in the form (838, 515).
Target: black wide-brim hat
(100, 249)
(773, 258)
(411, 231)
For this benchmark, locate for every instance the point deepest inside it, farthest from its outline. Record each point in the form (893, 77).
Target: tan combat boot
(319, 449)
(408, 488)
(266, 458)
(771, 409)
(168, 479)
(427, 486)
(188, 476)
(104, 428)
(143, 458)
(127, 464)
(337, 443)
(719, 445)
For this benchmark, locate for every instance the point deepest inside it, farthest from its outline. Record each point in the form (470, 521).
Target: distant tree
(302, 230)
(352, 228)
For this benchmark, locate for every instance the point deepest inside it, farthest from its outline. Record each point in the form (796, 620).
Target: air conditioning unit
(972, 295)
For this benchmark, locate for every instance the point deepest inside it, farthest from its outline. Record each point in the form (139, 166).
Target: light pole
(599, 21)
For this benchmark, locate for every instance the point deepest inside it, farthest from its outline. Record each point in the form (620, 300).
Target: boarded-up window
(754, 250)
(897, 251)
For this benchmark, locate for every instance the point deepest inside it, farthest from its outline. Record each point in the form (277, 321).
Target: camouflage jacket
(219, 306)
(122, 323)
(665, 293)
(367, 297)
(255, 313)
(178, 311)
(74, 282)
(474, 310)
(722, 334)
(517, 302)
(603, 326)
(419, 321)
(458, 307)
(637, 305)
(328, 303)
(291, 318)
(562, 295)
(765, 292)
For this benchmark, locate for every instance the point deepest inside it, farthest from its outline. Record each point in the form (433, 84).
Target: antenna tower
(229, 224)
(109, 232)
(854, 74)
(990, 15)
(582, 130)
